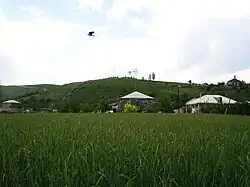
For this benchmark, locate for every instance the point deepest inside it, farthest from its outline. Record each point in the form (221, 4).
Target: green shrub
(131, 108)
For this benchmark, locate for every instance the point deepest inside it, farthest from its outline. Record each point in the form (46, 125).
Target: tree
(131, 108)
(170, 103)
(103, 106)
(221, 84)
(189, 82)
(243, 85)
(149, 77)
(153, 76)
(129, 73)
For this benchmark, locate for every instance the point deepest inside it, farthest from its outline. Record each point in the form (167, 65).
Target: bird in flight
(91, 33)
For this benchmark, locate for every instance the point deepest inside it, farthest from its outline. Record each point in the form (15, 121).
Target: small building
(195, 105)
(234, 82)
(11, 106)
(135, 98)
(179, 110)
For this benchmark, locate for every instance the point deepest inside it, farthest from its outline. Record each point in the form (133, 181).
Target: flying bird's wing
(91, 33)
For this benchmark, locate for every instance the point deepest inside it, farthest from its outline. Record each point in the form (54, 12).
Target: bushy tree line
(236, 109)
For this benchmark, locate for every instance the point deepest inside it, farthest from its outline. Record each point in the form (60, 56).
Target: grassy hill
(11, 92)
(90, 94)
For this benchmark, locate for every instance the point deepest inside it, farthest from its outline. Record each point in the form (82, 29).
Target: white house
(11, 106)
(136, 98)
(197, 103)
(234, 82)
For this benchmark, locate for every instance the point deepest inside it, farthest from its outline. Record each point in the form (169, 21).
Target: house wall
(233, 83)
(197, 107)
(11, 107)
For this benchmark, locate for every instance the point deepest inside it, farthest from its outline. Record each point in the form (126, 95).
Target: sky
(199, 40)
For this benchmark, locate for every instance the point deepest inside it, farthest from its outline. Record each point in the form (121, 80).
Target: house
(135, 98)
(11, 106)
(194, 105)
(233, 82)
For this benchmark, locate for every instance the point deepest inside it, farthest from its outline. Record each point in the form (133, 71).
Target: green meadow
(124, 150)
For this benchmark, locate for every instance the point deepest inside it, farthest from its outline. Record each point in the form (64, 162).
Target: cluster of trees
(76, 106)
(151, 76)
(170, 103)
(167, 104)
(236, 109)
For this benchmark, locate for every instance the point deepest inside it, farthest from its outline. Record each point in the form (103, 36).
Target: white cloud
(34, 47)
(192, 9)
(204, 37)
(188, 40)
(2, 16)
(176, 17)
(89, 5)
(34, 13)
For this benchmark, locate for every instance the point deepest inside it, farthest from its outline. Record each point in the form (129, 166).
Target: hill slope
(11, 92)
(90, 94)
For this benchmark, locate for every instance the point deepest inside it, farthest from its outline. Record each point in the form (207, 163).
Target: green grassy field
(124, 150)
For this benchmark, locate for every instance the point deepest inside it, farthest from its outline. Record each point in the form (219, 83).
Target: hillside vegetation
(11, 92)
(89, 95)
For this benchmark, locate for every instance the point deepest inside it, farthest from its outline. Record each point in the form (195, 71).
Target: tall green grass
(124, 150)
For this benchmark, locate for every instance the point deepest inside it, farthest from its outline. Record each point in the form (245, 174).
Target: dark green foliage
(103, 106)
(172, 102)
(236, 109)
(17, 92)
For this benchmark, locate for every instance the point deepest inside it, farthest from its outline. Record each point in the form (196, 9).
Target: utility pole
(1, 94)
(178, 92)
(135, 83)
(199, 104)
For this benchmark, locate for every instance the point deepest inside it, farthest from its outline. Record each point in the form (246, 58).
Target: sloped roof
(11, 102)
(191, 101)
(136, 95)
(234, 79)
(212, 99)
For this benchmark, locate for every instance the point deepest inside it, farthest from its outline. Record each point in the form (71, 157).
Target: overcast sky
(45, 41)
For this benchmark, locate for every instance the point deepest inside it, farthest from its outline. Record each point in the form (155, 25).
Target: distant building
(135, 98)
(234, 82)
(196, 104)
(11, 106)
